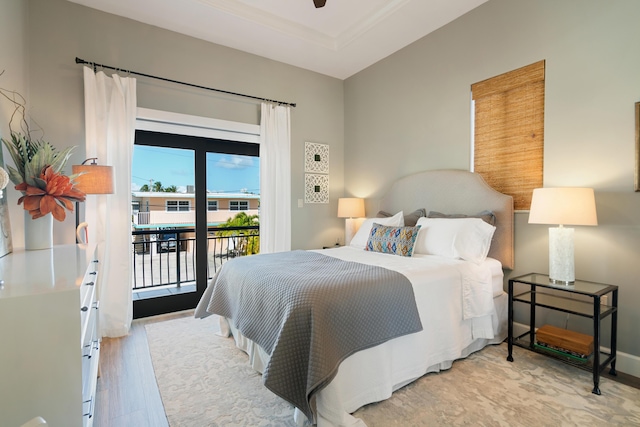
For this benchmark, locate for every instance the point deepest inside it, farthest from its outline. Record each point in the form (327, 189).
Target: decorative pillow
(486, 216)
(466, 238)
(392, 240)
(362, 235)
(409, 219)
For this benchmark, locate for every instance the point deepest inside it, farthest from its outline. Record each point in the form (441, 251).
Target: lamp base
(562, 282)
(561, 258)
(350, 228)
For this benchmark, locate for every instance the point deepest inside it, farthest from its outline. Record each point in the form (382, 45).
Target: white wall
(59, 31)
(411, 112)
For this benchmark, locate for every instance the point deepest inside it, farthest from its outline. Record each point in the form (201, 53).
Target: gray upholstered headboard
(456, 192)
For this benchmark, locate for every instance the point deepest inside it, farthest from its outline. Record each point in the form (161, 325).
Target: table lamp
(350, 208)
(562, 206)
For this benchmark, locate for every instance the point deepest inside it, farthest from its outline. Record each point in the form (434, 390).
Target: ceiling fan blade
(319, 3)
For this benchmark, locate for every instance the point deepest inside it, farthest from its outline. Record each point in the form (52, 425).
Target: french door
(170, 226)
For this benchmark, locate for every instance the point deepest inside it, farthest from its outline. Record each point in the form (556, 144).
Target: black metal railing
(167, 257)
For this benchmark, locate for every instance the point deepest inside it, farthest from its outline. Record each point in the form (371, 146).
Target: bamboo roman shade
(509, 132)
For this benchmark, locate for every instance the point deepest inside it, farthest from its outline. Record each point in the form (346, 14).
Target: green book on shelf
(562, 352)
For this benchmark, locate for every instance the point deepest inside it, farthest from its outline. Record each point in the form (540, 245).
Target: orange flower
(53, 193)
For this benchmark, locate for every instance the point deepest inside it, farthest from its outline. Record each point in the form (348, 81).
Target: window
(178, 205)
(238, 205)
(212, 205)
(509, 132)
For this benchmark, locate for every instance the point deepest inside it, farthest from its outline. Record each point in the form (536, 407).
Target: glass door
(183, 189)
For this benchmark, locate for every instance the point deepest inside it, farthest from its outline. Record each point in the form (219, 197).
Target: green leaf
(61, 158)
(32, 156)
(14, 175)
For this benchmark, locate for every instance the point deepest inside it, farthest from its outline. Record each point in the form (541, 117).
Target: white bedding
(462, 308)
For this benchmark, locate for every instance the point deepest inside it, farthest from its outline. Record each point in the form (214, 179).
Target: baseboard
(628, 364)
(625, 363)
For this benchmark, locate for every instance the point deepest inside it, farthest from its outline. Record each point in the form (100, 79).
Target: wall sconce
(92, 179)
(563, 206)
(350, 208)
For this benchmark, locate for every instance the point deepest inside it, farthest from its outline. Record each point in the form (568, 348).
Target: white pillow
(362, 235)
(466, 238)
(473, 241)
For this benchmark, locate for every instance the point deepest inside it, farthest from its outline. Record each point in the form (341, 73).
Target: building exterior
(168, 209)
(175, 211)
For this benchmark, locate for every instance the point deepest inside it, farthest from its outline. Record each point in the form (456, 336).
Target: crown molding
(303, 32)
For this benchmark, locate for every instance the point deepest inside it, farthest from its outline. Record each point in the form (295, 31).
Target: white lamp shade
(350, 207)
(563, 206)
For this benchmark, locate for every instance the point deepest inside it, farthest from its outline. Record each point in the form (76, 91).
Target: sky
(171, 166)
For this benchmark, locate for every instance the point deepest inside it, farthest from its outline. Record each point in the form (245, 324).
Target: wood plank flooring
(127, 393)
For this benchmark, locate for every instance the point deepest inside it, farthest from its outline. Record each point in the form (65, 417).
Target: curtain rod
(95, 64)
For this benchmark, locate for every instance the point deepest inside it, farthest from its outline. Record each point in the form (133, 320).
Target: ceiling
(338, 40)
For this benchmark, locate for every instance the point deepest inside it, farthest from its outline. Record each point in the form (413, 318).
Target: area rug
(205, 381)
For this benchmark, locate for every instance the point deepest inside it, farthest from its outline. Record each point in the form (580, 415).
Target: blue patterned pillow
(392, 240)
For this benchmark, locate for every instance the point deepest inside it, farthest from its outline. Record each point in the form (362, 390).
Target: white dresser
(49, 344)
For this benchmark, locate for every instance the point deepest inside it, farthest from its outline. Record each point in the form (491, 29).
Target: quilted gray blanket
(309, 312)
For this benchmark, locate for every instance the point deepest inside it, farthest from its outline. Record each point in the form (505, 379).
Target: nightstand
(583, 299)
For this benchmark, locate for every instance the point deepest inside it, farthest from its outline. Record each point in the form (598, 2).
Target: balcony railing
(167, 257)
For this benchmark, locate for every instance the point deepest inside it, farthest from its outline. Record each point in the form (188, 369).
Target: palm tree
(157, 186)
(145, 187)
(170, 189)
(249, 242)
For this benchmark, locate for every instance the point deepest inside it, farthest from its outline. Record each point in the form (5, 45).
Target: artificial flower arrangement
(38, 171)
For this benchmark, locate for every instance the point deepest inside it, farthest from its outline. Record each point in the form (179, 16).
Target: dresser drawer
(88, 297)
(90, 363)
(90, 341)
(89, 282)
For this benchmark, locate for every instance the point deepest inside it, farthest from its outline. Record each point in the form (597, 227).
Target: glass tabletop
(579, 286)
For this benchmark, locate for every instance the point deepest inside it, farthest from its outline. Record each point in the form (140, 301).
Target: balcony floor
(160, 291)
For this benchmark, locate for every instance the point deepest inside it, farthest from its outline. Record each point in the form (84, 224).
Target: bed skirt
(371, 375)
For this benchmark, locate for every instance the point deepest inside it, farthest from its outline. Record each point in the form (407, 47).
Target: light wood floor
(127, 394)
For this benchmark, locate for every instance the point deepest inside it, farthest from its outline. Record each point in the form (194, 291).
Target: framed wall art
(316, 157)
(6, 246)
(316, 188)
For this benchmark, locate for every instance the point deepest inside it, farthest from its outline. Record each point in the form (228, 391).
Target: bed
(459, 304)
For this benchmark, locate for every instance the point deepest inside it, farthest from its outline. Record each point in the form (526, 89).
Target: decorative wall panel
(316, 188)
(316, 157)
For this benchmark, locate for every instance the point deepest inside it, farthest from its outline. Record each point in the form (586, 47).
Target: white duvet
(460, 314)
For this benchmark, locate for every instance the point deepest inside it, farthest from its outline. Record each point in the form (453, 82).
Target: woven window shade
(509, 132)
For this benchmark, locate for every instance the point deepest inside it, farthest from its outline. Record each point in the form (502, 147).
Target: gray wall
(59, 31)
(411, 112)
(13, 66)
(407, 113)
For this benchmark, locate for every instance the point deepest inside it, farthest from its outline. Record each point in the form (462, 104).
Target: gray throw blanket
(309, 312)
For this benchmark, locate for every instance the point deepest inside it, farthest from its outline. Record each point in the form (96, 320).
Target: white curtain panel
(275, 178)
(110, 117)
